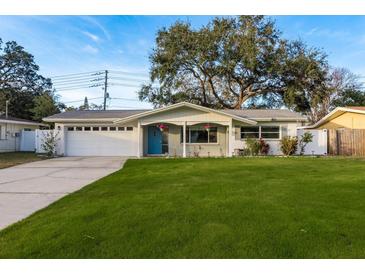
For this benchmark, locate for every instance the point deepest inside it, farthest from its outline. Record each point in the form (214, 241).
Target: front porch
(202, 139)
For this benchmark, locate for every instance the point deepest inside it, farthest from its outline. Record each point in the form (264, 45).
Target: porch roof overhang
(184, 104)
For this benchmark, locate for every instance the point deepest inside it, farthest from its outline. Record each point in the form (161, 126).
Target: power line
(128, 73)
(89, 99)
(77, 87)
(76, 83)
(73, 74)
(126, 79)
(125, 85)
(125, 99)
(75, 80)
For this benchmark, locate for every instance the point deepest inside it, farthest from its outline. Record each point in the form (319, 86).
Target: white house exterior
(181, 130)
(17, 134)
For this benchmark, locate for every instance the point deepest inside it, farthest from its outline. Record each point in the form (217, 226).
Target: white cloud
(95, 22)
(328, 33)
(92, 36)
(90, 49)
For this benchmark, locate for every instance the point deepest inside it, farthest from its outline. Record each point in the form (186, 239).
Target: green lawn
(9, 159)
(205, 208)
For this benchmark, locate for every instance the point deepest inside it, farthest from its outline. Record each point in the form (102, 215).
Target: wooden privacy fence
(347, 142)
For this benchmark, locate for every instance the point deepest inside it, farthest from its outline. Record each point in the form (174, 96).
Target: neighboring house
(342, 117)
(182, 129)
(344, 128)
(16, 134)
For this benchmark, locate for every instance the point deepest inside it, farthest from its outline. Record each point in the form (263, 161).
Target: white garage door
(93, 142)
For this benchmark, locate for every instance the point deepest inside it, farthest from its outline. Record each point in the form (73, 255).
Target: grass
(9, 159)
(205, 208)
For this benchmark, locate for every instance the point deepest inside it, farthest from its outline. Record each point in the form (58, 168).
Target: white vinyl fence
(319, 144)
(40, 136)
(27, 140)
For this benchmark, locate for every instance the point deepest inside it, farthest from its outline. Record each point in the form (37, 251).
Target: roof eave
(154, 111)
(5, 121)
(70, 120)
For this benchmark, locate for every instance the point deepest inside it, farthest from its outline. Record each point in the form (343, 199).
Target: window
(121, 128)
(129, 128)
(270, 132)
(104, 128)
(70, 128)
(87, 128)
(78, 128)
(112, 128)
(264, 132)
(200, 135)
(27, 129)
(250, 132)
(95, 128)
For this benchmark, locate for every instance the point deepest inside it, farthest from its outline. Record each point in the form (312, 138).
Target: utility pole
(106, 95)
(6, 108)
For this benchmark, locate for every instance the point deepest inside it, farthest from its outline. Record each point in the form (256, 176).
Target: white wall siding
(10, 136)
(286, 129)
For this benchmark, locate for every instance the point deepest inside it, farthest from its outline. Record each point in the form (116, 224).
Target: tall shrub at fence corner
(288, 145)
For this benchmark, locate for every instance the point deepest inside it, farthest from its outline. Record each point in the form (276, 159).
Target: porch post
(184, 140)
(230, 139)
(140, 140)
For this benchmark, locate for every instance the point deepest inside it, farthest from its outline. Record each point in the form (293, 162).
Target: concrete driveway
(27, 188)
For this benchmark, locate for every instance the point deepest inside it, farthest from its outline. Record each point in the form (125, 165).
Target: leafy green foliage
(253, 146)
(257, 147)
(20, 82)
(264, 147)
(288, 145)
(222, 64)
(45, 105)
(305, 139)
(50, 140)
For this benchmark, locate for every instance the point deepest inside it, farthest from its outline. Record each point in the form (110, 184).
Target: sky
(76, 44)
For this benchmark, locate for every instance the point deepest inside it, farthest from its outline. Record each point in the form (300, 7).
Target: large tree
(45, 105)
(230, 63)
(220, 65)
(20, 82)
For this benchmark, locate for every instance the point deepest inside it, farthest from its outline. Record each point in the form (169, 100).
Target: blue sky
(73, 44)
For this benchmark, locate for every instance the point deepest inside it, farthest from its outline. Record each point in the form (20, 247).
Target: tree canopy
(22, 85)
(237, 62)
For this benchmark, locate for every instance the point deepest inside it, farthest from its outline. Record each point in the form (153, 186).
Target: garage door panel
(100, 143)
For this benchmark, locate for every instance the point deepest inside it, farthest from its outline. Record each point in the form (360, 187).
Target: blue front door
(154, 140)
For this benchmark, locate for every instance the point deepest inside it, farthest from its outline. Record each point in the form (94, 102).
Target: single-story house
(182, 130)
(11, 130)
(341, 118)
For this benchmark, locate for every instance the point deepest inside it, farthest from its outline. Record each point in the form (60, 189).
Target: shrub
(49, 144)
(305, 139)
(264, 147)
(253, 146)
(288, 145)
(257, 147)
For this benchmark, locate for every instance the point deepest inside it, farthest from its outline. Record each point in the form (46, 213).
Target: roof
(338, 112)
(14, 120)
(267, 114)
(246, 115)
(186, 104)
(95, 114)
(356, 108)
